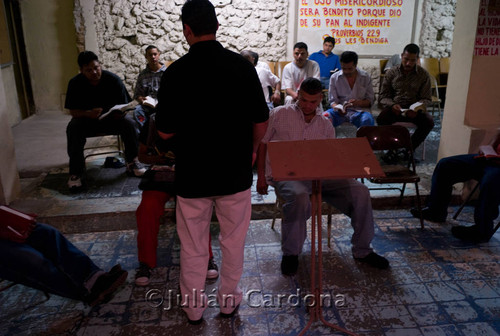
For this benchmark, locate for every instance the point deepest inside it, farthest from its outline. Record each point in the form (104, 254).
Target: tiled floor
(436, 285)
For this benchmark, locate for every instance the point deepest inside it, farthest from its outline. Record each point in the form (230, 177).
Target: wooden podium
(318, 160)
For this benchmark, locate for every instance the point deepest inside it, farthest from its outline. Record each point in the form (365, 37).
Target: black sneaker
(375, 260)
(468, 234)
(106, 285)
(428, 214)
(289, 264)
(142, 275)
(213, 270)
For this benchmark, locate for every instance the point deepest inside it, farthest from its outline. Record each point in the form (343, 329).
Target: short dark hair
(412, 48)
(200, 16)
(149, 47)
(348, 57)
(85, 57)
(255, 57)
(329, 39)
(249, 55)
(311, 86)
(300, 45)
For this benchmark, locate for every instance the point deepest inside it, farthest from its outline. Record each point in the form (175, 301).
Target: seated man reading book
(403, 86)
(485, 168)
(350, 94)
(39, 256)
(147, 85)
(90, 94)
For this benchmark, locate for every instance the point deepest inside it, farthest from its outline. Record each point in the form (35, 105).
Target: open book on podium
(323, 159)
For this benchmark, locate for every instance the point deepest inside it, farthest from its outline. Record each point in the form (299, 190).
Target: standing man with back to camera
(216, 148)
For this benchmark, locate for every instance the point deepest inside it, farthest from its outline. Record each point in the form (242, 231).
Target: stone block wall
(437, 28)
(125, 28)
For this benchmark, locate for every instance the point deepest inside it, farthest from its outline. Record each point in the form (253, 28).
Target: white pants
(193, 227)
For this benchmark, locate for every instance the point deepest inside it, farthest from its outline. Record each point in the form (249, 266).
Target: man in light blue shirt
(327, 60)
(350, 94)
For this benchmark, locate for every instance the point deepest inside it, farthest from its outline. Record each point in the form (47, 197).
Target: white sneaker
(135, 168)
(74, 182)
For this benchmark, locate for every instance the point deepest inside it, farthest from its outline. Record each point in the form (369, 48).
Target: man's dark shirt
(110, 91)
(405, 89)
(211, 98)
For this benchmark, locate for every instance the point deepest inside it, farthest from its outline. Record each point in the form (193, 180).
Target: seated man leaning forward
(90, 93)
(403, 86)
(298, 70)
(303, 121)
(350, 93)
(485, 168)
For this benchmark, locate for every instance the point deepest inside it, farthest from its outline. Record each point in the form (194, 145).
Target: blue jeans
(358, 119)
(461, 168)
(49, 262)
(349, 196)
(325, 82)
(141, 115)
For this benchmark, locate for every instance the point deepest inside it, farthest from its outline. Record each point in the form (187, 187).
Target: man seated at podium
(303, 121)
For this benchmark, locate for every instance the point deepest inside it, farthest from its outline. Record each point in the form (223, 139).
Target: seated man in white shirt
(303, 121)
(298, 70)
(268, 80)
(350, 94)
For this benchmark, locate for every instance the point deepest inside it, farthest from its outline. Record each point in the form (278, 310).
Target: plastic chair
(393, 137)
(279, 68)
(433, 68)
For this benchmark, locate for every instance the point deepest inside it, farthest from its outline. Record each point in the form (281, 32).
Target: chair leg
(419, 206)
(496, 228)
(465, 202)
(402, 194)
(329, 220)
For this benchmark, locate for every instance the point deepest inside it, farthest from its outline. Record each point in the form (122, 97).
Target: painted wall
(12, 110)
(9, 178)
(458, 137)
(49, 33)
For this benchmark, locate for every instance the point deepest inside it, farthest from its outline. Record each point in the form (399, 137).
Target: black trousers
(79, 129)
(423, 120)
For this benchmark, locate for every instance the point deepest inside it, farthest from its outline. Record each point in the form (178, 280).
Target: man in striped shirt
(304, 121)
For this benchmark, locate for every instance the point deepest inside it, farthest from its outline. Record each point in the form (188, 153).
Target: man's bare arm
(259, 130)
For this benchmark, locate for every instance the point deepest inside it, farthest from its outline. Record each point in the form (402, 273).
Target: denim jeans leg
(362, 118)
(486, 210)
(47, 261)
